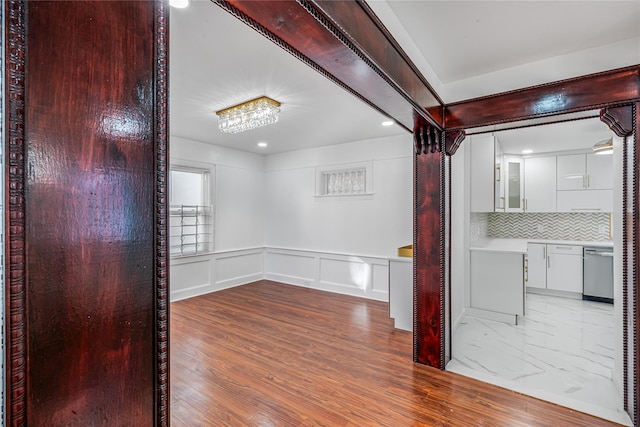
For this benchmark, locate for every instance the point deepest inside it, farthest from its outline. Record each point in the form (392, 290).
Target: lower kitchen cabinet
(564, 268)
(497, 282)
(554, 267)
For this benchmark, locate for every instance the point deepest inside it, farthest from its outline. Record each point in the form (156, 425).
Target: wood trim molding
(619, 120)
(614, 87)
(161, 167)
(426, 137)
(15, 245)
(635, 290)
(453, 140)
(373, 43)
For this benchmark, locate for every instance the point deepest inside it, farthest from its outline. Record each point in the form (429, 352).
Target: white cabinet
(401, 293)
(564, 268)
(497, 282)
(535, 274)
(482, 173)
(487, 189)
(540, 184)
(498, 191)
(571, 172)
(554, 267)
(585, 201)
(585, 183)
(599, 172)
(514, 184)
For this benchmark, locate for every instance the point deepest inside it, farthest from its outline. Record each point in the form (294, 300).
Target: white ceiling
(464, 49)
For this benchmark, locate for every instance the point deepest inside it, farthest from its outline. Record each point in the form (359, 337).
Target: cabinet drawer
(564, 249)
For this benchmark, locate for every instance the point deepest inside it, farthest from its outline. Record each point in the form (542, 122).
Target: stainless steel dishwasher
(598, 274)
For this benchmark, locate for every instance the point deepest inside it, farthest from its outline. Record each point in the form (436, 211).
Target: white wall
(239, 220)
(339, 244)
(365, 225)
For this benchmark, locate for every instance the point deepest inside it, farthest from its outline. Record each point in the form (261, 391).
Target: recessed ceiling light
(180, 4)
(388, 123)
(262, 144)
(527, 151)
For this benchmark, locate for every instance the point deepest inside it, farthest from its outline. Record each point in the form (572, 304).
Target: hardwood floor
(269, 354)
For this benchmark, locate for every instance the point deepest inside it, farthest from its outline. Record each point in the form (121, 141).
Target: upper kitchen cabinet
(585, 172)
(599, 172)
(487, 191)
(540, 184)
(585, 183)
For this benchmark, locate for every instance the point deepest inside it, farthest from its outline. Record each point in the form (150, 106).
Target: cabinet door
(514, 184)
(585, 201)
(499, 179)
(564, 271)
(599, 172)
(540, 184)
(571, 172)
(482, 173)
(536, 266)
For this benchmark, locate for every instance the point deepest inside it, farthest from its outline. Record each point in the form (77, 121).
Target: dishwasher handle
(596, 252)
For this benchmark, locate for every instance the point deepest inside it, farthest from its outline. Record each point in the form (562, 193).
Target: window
(191, 213)
(344, 180)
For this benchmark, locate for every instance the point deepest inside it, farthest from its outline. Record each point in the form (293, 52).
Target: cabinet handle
(498, 169)
(526, 269)
(501, 204)
(588, 181)
(548, 261)
(586, 209)
(544, 252)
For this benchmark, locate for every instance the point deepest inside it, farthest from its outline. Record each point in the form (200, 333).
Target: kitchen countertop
(520, 245)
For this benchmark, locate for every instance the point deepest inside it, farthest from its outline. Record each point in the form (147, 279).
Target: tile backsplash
(550, 226)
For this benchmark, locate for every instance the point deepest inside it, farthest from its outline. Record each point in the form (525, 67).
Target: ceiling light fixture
(262, 144)
(388, 123)
(527, 151)
(248, 115)
(603, 147)
(180, 4)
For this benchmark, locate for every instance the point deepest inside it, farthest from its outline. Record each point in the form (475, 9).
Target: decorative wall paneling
(87, 338)
(201, 274)
(361, 276)
(346, 43)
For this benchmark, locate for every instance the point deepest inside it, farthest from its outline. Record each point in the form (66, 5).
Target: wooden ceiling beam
(590, 92)
(347, 43)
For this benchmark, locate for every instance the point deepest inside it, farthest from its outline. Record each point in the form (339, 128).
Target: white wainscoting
(360, 276)
(200, 274)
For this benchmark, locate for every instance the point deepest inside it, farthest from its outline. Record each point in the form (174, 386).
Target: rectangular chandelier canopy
(248, 115)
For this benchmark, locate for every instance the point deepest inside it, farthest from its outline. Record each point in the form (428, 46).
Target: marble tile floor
(562, 351)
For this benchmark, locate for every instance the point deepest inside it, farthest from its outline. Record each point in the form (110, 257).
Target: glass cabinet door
(514, 184)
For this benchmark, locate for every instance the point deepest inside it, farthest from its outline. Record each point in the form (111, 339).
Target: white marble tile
(561, 351)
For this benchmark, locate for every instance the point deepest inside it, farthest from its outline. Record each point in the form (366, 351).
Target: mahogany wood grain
(428, 261)
(590, 92)
(89, 193)
(370, 35)
(269, 354)
(635, 290)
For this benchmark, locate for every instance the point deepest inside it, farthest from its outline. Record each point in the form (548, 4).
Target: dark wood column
(428, 258)
(86, 226)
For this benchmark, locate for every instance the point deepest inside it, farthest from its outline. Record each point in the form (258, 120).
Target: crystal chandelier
(248, 115)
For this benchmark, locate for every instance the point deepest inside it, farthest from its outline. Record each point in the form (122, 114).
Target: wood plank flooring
(269, 354)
